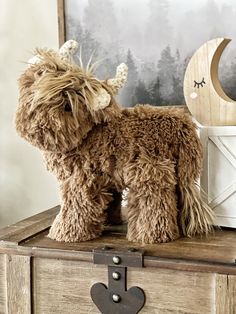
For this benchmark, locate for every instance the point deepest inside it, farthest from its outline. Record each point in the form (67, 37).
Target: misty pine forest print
(155, 38)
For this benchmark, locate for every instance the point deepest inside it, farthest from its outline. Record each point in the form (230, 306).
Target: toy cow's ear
(102, 100)
(120, 79)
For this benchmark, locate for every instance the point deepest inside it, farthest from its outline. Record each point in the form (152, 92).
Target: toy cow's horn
(68, 49)
(119, 80)
(34, 60)
(66, 52)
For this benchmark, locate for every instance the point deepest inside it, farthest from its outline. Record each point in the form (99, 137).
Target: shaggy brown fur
(153, 152)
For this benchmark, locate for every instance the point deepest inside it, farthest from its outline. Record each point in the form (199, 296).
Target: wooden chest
(39, 275)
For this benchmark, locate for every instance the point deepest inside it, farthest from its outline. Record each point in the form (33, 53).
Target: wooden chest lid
(215, 253)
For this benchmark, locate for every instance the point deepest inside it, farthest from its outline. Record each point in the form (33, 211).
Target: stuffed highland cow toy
(95, 148)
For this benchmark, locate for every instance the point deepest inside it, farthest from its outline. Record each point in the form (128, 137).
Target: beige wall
(25, 185)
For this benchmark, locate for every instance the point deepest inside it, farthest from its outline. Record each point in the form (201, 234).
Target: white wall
(25, 186)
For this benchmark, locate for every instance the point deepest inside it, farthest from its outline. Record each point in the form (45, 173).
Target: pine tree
(89, 47)
(133, 72)
(177, 97)
(141, 95)
(154, 93)
(109, 63)
(166, 70)
(127, 94)
(148, 72)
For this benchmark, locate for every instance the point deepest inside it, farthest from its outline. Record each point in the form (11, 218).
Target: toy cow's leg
(152, 207)
(82, 213)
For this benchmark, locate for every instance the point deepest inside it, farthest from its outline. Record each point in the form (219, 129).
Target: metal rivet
(132, 249)
(116, 298)
(116, 275)
(116, 259)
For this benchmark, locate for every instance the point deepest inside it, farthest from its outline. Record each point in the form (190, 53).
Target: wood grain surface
(61, 21)
(219, 247)
(187, 276)
(2, 284)
(28, 227)
(18, 284)
(29, 237)
(232, 293)
(203, 93)
(64, 287)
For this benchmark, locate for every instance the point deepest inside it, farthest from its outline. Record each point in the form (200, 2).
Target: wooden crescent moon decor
(203, 93)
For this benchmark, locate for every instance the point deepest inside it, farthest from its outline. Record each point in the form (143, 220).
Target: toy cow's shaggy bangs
(57, 88)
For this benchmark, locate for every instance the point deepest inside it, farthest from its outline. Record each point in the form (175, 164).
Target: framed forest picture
(154, 38)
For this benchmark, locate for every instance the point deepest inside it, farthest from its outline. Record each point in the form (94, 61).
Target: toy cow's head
(60, 101)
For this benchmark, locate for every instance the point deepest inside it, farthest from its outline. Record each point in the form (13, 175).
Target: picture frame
(62, 32)
(61, 21)
(148, 82)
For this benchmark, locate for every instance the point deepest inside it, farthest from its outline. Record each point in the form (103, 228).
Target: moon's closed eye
(199, 84)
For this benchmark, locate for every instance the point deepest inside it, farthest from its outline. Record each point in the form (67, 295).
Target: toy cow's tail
(195, 216)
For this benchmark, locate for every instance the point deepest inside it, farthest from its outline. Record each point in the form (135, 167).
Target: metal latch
(115, 298)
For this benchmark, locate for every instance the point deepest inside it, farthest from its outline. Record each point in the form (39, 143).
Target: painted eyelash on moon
(198, 84)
